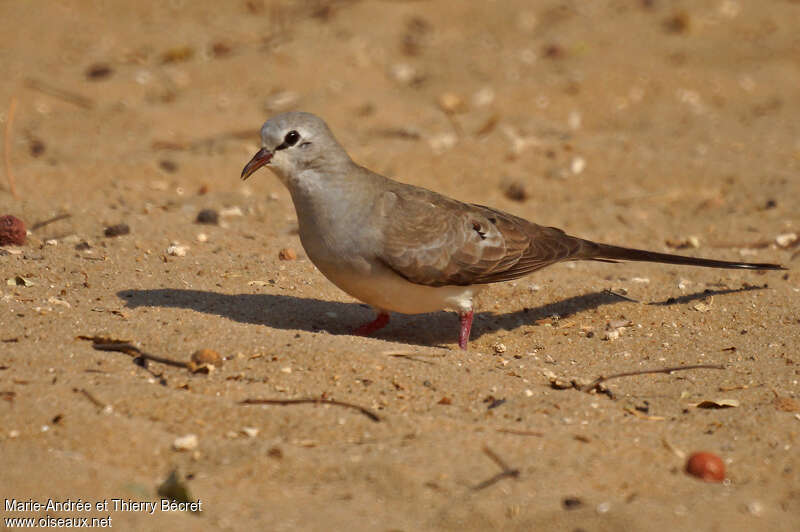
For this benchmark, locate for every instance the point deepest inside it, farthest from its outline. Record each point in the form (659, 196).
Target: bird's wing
(432, 240)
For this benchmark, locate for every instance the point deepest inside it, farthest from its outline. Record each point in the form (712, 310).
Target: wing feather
(433, 240)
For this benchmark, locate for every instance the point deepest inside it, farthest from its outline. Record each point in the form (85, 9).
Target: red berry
(706, 466)
(12, 231)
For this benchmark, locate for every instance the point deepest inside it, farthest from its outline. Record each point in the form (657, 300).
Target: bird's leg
(369, 328)
(466, 327)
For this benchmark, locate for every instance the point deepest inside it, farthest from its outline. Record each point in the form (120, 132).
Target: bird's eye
(291, 138)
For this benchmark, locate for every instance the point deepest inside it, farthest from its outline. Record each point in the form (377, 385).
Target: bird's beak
(261, 158)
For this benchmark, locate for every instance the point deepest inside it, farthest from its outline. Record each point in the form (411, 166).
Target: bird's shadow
(309, 314)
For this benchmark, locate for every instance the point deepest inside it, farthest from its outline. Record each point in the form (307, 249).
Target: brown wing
(432, 240)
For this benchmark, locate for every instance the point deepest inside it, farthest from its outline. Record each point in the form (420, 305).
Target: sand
(661, 125)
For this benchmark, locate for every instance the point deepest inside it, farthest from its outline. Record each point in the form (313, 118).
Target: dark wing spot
(478, 229)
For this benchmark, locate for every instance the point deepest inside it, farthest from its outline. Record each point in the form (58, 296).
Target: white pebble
(403, 72)
(785, 240)
(177, 250)
(578, 165)
(250, 432)
(188, 442)
(231, 211)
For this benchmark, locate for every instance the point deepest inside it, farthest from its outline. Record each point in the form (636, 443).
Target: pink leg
(466, 327)
(369, 328)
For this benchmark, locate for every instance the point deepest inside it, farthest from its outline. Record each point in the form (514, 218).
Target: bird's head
(294, 142)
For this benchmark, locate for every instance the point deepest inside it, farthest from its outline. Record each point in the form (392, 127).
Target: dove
(403, 248)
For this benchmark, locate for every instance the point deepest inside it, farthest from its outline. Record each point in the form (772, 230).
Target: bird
(406, 249)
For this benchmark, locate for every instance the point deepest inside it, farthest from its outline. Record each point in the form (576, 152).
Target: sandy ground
(644, 123)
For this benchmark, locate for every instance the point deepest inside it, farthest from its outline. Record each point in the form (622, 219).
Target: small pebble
(250, 432)
(117, 230)
(231, 211)
(403, 73)
(178, 54)
(577, 165)
(755, 508)
(207, 356)
(499, 348)
(571, 503)
(287, 254)
(208, 216)
(679, 22)
(786, 240)
(221, 49)
(168, 165)
(516, 190)
(12, 231)
(36, 147)
(98, 71)
(450, 102)
(706, 466)
(188, 442)
(177, 250)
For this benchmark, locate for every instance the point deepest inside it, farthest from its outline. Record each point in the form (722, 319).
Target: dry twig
(39, 225)
(67, 96)
(507, 472)
(601, 379)
(86, 393)
(312, 400)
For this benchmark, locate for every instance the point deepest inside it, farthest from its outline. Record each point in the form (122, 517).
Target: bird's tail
(595, 251)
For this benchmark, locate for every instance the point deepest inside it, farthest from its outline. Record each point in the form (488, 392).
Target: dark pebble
(515, 190)
(571, 503)
(117, 230)
(168, 166)
(98, 71)
(208, 216)
(37, 147)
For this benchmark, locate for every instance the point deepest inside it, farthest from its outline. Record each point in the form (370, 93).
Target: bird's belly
(388, 291)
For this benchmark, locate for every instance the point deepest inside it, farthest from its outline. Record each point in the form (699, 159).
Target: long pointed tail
(607, 252)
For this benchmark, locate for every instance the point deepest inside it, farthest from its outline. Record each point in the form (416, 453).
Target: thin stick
(67, 96)
(521, 432)
(39, 225)
(86, 393)
(312, 400)
(107, 344)
(507, 472)
(7, 147)
(616, 294)
(602, 379)
(132, 350)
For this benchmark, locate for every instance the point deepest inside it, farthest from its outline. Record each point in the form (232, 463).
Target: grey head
(294, 142)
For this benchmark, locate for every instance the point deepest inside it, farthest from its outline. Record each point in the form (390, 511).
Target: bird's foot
(466, 327)
(378, 323)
